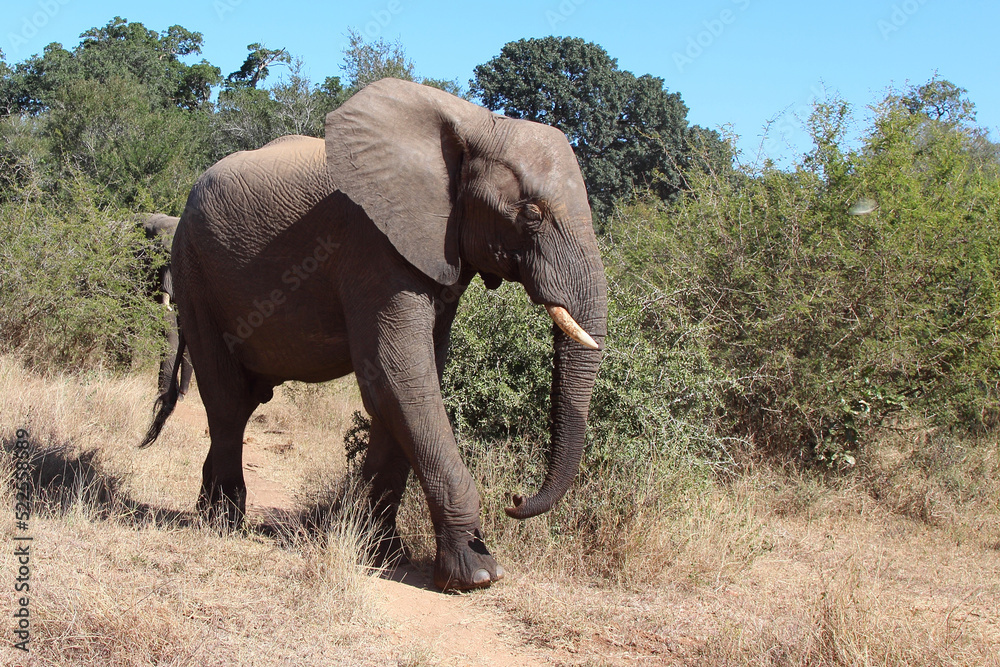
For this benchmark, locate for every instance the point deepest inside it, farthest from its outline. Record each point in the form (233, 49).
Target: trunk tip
(525, 508)
(515, 511)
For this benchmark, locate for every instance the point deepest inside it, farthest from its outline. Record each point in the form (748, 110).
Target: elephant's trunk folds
(577, 357)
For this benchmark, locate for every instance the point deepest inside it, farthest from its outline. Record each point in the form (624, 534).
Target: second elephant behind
(159, 229)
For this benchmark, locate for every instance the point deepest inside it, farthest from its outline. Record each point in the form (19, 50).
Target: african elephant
(160, 229)
(308, 259)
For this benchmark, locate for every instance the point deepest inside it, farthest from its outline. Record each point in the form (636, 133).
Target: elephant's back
(246, 199)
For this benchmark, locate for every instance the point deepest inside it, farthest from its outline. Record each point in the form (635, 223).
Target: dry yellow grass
(897, 564)
(132, 578)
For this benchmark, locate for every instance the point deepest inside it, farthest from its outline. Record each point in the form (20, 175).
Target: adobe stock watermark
(704, 39)
(22, 540)
(30, 25)
(901, 14)
(294, 277)
(792, 119)
(381, 18)
(224, 7)
(562, 12)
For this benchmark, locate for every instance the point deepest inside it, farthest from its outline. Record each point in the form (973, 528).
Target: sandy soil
(443, 629)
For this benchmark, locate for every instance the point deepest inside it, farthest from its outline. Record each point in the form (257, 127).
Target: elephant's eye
(532, 217)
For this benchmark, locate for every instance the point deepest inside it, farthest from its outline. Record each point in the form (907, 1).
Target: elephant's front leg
(398, 376)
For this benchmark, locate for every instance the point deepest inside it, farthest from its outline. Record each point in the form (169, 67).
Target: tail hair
(167, 401)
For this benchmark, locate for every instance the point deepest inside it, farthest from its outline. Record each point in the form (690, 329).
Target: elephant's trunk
(572, 385)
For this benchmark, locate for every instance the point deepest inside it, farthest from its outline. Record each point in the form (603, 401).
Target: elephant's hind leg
(227, 390)
(223, 489)
(386, 469)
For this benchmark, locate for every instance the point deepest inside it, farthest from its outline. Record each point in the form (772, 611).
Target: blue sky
(735, 62)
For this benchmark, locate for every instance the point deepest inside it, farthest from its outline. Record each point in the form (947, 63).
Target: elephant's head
(457, 188)
(159, 228)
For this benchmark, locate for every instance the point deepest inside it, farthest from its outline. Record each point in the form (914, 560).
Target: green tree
(145, 159)
(365, 62)
(330, 94)
(257, 66)
(121, 108)
(447, 85)
(857, 287)
(940, 107)
(250, 114)
(629, 132)
(246, 115)
(940, 100)
(301, 107)
(119, 49)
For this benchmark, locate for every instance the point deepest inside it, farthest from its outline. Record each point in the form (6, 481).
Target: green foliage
(939, 100)
(628, 132)
(245, 119)
(118, 50)
(496, 382)
(365, 62)
(657, 393)
(249, 117)
(829, 322)
(146, 158)
(72, 289)
(653, 394)
(368, 61)
(257, 66)
(447, 85)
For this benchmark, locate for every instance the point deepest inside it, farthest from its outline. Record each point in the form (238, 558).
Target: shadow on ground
(63, 480)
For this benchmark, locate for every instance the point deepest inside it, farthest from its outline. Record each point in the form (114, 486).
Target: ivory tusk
(566, 322)
(165, 300)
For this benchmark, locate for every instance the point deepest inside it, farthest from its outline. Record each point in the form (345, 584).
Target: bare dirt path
(425, 626)
(448, 629)
(263, 494)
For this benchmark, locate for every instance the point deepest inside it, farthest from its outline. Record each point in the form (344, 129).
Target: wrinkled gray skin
(160, 228)
(306, 260)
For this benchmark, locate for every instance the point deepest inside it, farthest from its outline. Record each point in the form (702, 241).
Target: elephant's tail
(167, 401)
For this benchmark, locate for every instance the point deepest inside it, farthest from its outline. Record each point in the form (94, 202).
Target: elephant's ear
(395, 148)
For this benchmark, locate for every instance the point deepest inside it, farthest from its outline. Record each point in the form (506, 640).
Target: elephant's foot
(223, 506)
(463, 562)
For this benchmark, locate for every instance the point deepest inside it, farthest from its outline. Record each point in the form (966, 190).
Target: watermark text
(901, 14)
(22, 541)
(265, 307)
(713, 29)
(32, 23)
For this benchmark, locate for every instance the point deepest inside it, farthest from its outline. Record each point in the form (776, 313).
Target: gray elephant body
(309, 259)
(160, 229)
